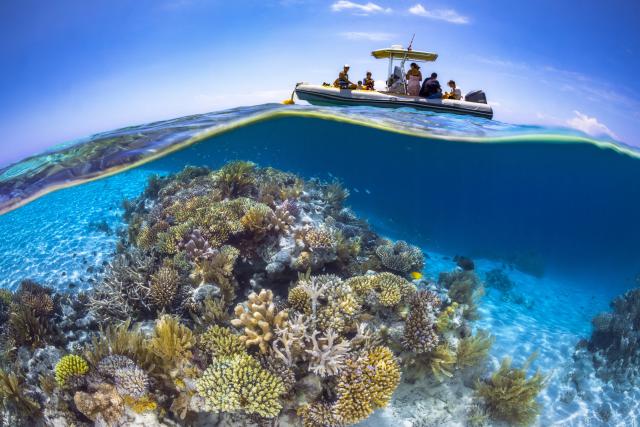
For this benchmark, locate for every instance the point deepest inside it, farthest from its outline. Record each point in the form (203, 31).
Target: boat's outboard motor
(476, 96)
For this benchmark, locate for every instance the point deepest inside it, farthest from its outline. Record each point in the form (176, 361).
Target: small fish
(416, 275)
(366, 190)
(330, 174)
(356, 190)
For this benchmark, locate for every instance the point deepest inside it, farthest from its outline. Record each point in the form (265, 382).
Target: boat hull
(330, 96)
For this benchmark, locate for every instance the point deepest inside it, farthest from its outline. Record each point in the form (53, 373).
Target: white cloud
(589, 125)
(359, 8)
(362, 35)
(448, 15)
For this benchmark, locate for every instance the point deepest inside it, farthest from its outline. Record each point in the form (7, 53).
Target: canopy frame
(394, 53)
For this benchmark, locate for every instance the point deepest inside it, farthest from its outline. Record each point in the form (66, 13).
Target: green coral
(442, 361)
(239, 383)
(510, 396)
(69, 367)
(219, 341)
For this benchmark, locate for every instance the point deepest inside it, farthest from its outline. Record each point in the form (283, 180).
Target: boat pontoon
(474, 103)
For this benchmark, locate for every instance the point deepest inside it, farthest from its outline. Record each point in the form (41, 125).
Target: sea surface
(557, 210)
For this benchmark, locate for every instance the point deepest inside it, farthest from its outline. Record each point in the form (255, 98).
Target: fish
(366, 190)
(416, 275)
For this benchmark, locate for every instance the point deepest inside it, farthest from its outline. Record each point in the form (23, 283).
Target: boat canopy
(399, 53)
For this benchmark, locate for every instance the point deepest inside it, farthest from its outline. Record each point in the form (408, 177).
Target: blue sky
(72, 68)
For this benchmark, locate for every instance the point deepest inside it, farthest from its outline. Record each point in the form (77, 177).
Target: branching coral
(70, 367)
(420, 334)
(510, 396)
(327, 354)
(219, 341)
(258, 220)
(239, 383)
(164, 287)
(400, 257)
(319, 239)
(473, 350)
(218, 269)
(465, 288)
(299, 299)
(35, 297)
(236, 178)
(366, 384)
(26, 328)
(259, 319)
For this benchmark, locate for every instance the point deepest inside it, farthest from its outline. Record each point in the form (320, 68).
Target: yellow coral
(319, 238)
(219, 341)
(258, 220)
(164, 286)
(238, 383)
(366, 385)
(442, 361)
(259, 319)
(140, 405)
(172, 341)
(299, 299)
(105, 403)
(361, 285)
(70, 366)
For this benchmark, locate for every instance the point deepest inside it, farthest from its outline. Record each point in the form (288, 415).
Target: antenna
(411, 42)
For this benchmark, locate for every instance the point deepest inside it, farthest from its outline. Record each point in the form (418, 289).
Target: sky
(72, 68)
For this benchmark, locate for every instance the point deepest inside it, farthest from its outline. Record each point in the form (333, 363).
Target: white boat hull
(326, 95)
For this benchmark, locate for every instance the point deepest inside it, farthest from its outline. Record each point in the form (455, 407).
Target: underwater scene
(315, 266)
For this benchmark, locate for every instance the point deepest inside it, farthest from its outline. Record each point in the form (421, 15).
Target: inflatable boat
(474, 103)
(328, 95)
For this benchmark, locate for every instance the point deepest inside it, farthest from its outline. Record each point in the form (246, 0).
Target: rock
(203, 292)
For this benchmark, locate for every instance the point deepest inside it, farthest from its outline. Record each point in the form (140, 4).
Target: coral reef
(498, 279)
(244, 296)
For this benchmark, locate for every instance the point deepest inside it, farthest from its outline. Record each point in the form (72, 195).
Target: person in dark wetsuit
(431, 88)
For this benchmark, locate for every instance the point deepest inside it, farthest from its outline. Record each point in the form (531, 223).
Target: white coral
(327, 355)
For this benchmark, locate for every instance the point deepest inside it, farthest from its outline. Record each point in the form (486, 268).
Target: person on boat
(455, 92)
(414, 78)
(343, 81)
(359, 86)
(369, 83)
(431, 88)
(395, 83)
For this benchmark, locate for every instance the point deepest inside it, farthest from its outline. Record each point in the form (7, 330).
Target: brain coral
(239, 383)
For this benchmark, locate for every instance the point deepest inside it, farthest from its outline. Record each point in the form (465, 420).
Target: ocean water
(555, 210)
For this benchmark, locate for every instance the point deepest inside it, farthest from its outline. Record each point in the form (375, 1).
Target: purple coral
(195, 245)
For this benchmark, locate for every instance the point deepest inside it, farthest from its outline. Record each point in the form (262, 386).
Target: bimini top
(400, 53)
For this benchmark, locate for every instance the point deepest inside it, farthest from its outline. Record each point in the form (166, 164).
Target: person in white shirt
(455, 93)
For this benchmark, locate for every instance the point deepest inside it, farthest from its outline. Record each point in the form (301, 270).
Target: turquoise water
(555, 210)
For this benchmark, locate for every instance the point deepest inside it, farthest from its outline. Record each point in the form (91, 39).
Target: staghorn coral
(70, 367)
(104, 406)
(474, 349)
(164, 287)
(366, 384)
(239, 383)
(420, 334)
(510, 396)
(400, 257)
(218, 341)
(327, 354)
(259, 319)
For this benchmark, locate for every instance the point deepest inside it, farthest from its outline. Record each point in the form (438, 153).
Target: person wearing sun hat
(343, 81)
(414, 79)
